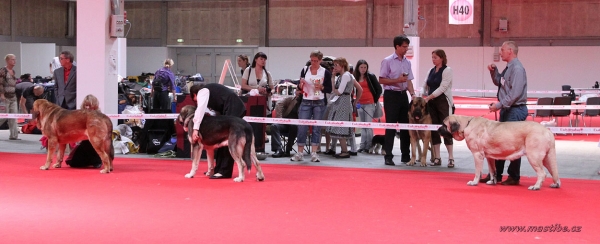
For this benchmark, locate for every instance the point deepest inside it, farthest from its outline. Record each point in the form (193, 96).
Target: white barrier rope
(373, 125)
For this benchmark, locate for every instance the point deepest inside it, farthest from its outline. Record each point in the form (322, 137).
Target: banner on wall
(460, 12)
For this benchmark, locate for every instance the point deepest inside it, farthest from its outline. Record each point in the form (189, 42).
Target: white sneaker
(314, 157)
(297, 157)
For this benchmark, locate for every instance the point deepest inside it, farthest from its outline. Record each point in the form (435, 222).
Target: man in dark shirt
(29, 96)
(26, 82)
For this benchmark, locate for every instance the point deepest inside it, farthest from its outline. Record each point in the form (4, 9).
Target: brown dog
(418, 114)
(63, 126)
(492, 140)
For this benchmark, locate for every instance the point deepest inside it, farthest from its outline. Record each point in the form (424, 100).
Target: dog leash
(363, 109)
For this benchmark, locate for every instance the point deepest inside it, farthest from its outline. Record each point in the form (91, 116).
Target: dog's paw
(472, 183)
(411, 162)
(491, 182)
(534, 188)
(423, 164)
(555, 185)
(104, 171)
(44, 167)
(238, 179)
(56, 165)
(189, 176)
(260, 177)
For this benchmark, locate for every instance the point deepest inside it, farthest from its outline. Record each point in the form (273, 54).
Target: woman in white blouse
(313, 88)
(257, 77)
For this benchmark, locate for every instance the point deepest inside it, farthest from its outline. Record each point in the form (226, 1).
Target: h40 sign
(460, 12)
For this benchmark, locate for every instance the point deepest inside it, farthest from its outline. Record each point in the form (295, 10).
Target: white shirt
(202, 100)
(251, 78)
(309, 86)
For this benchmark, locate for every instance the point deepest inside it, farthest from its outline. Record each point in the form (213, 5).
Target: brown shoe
(510, 182)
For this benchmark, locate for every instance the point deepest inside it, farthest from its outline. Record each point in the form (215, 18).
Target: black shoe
(342, 155)
(484, 180)
(278, 154)
(510, 182)
(353, 153)
(218, 176)
(389, 162)
(329, 152)
(287, 154)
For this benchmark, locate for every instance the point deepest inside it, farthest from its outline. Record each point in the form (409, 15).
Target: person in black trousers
(396, 77)
(223, 101)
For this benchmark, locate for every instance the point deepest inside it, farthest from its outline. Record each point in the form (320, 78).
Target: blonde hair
(90, 102)
(10, 55)
(169, 63)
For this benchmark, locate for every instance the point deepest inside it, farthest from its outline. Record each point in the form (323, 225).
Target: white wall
(548, 68)
(145, 59)
(36, 58)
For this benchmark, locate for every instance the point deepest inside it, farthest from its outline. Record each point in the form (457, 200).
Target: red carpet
(595, 121)
(149, 201)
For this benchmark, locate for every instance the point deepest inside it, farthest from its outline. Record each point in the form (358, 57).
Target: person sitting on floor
(83, 154)
(286, 108)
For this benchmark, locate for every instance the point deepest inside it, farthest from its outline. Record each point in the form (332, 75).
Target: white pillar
(415, 45)
(122, 57)
(97, 55)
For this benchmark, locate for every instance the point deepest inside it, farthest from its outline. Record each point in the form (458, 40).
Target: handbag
(378, 113)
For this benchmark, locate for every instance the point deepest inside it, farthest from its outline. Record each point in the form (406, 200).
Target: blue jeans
(514, 168)
(365, 114)
(310, 109)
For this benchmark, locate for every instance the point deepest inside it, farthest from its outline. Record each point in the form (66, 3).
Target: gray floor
(576, 159)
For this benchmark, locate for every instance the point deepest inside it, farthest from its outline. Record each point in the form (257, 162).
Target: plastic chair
(543, 112)
(562, 112)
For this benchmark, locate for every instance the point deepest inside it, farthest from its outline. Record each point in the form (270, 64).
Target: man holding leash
(224, 101)
(512, 100)
(396, 77)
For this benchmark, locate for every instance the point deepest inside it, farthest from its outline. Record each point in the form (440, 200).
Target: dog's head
(185, 115)
(40, 107)
(418, 108)
(451, 128)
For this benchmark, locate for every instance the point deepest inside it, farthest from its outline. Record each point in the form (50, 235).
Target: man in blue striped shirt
(396, 77)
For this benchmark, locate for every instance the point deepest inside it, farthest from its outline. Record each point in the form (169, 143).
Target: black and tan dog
(62, 127)
(419, 114)
(492, 140)
(220, 131)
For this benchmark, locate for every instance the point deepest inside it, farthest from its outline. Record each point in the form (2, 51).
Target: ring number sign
(460, 12)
